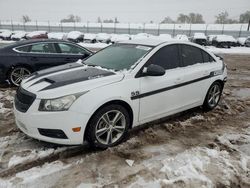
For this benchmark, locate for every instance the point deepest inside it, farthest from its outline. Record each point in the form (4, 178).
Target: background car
(224, 41)
(6, 35)
(247, 42)
(18, 35)
(75, 36)
(37, 35)
(199, 38)
(20, 59)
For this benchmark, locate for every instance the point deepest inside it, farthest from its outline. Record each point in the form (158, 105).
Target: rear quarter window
(206, 57)
(23, 48)
(190, 55)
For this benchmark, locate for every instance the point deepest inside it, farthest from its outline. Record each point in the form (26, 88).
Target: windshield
(118, 56)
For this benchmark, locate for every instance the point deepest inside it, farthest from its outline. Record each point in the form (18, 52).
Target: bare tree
(26, 18)
(190, 18)
(167, 20)
(71, 18)
(182, 18)
(99, 20)
(245, 17)
(196, 18)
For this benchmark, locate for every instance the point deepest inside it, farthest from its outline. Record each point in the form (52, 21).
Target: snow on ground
(34, 177)
(232, 50)
(200, 166)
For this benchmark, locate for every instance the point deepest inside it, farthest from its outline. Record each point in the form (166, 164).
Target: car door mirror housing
(153, 70)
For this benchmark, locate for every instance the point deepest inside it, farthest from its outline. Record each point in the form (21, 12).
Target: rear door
(195, 75)
(71, 52)
(158, 94)
(43, 55)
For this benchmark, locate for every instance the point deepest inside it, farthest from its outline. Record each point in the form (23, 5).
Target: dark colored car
(20, 59)
(247, 42)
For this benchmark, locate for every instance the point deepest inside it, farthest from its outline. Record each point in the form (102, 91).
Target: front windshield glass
(118, 56)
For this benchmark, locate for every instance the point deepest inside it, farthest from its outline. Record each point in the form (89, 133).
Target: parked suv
(120, 87)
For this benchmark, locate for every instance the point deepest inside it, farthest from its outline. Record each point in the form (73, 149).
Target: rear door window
(190, 55)
(43, 48)
(167, 57)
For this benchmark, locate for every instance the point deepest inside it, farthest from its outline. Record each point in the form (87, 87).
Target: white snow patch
(36, 33)
(34, 155)
(232, 50)
(60, 36)
(97, 45)
(74, 35)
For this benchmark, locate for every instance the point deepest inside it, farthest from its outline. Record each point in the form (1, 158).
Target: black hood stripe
(54, 70)
(74, 76)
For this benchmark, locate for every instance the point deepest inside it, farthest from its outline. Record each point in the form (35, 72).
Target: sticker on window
(143, 48)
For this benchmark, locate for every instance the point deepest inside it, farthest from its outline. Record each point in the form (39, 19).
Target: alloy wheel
(18, 74)
(214, 95)
(110, 127)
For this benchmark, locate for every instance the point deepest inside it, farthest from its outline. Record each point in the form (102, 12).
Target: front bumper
(33, 120)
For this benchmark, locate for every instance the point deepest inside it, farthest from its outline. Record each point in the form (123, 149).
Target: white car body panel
(185, 88)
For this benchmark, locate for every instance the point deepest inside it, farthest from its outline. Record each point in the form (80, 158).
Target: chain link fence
(236, 30)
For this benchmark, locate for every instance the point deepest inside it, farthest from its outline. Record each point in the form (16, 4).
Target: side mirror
(153, 70)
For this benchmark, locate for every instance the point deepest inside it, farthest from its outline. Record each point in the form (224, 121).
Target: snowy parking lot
(192, 149)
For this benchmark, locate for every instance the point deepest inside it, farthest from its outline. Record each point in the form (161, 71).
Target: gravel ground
(191, 149)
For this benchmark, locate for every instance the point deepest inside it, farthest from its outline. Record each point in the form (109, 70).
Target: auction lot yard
(194, 149)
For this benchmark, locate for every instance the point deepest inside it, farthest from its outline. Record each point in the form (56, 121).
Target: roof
(30, 41)
(146, 42)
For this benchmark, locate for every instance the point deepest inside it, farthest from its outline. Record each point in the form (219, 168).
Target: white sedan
(120, 87)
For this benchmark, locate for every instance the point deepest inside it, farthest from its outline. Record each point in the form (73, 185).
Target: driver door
(159, 95)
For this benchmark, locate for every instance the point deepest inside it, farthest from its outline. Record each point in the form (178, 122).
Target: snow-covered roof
(225, 38)
(122, 37)
(36, 33)
(19, 34)
(242, 40)
(74, 34)
(97, 45)
(58, 35)
(89, 36)
(102, 36)
(146, 42)
(6, 33)
(199, 36)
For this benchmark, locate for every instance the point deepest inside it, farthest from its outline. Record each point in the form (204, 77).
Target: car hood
(69, 79)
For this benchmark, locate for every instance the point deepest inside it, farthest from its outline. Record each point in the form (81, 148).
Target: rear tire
(213, 96)
(17, 74)
(108, 127)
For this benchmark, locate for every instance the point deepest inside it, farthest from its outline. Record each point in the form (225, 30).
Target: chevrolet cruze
(124, 85)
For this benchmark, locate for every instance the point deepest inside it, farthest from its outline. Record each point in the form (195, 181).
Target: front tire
(108, 127)
(213, 96)
(17, 74)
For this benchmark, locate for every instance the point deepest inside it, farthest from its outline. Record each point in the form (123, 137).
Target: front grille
(53, 133)
(23, 100)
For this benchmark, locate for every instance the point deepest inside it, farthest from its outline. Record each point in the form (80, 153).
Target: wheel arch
(118, 102)
(20, 65)
(217, 80)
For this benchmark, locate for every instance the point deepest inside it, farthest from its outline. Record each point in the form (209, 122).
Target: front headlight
(58, 104)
